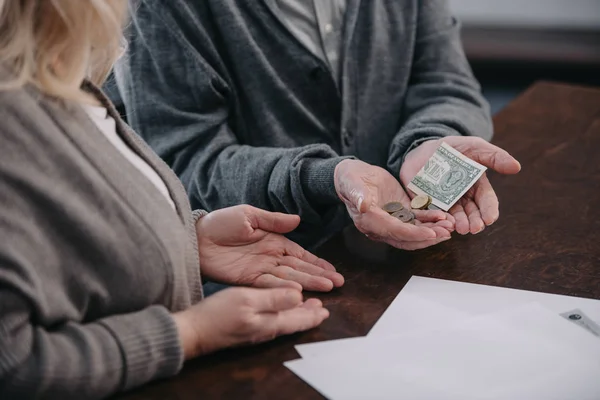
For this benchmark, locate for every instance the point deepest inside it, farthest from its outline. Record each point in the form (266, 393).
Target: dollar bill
(579, 318)
(446, 177)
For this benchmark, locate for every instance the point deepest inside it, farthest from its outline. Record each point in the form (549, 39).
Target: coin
(413, 218)
(404, 216)
(420, 202)
(393, 207)
(430, 200)
(434, 208)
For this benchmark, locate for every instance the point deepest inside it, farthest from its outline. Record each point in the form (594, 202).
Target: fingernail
(359, 203)
(294, 295)
(323, 313)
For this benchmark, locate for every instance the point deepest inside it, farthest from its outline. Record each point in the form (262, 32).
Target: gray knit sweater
(92, 256)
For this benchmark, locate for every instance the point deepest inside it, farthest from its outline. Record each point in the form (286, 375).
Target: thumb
(272, 221)
(275, 300)
(492, 157)
(360, 198)
(351, 187)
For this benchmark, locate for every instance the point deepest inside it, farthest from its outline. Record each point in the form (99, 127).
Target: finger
(355, 195)
(274, 300)
(312, 303)
(442, 232)
(422, 245)
(449, 226)
(361, 199)
(381, 224)
(319, 262)
(295, 250)
(303, 266)
(308, 282)
(475, 221)
(491, 156)
(450, 217)
(296, 320)
(268, 281)
(271, 221)
(415, 245)
(462, 221)
(429, 215)
(487, 201)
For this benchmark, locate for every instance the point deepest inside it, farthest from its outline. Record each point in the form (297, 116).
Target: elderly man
(307, 106)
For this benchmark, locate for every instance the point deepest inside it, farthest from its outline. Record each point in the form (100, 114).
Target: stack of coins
(397, 210)
(421, 202)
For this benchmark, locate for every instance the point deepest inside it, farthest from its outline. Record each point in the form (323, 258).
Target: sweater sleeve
(177, 100)
(63, 334)
(443, 96)
(82, 361)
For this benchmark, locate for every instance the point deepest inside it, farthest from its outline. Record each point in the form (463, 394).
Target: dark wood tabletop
(547, 239)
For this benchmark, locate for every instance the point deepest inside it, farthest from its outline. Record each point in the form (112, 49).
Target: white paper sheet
(339, 380)
(523, 353)
(416, 314)
(472, 299)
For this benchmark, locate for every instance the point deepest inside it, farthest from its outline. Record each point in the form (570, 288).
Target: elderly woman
(100, 254)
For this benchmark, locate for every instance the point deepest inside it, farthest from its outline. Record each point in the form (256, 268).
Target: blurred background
(512, 43)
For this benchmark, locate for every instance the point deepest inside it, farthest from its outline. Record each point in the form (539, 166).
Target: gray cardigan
(92, 256)
(244, 113)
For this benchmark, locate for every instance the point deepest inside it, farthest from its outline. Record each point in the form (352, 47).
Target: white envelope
(427, 304)
(472, 299)
(531, 318)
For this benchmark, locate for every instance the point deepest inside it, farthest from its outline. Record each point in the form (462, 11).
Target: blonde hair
(56, 44)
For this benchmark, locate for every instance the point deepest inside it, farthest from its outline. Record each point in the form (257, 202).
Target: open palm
(365, 188)
(244, 245)
(479, 207)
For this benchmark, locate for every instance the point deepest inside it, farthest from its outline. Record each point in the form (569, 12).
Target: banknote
(446, 177)
(579, 318)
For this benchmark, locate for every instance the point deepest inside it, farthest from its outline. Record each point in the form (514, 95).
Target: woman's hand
(244, 245)
(240, 316)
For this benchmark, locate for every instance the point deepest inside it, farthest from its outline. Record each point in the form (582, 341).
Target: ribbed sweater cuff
(317, 180)
(197, 214)
(149, 343)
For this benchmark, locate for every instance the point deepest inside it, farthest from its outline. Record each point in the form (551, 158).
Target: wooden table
(547, 239)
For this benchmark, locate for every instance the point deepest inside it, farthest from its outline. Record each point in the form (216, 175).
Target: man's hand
(244, 245)
(364, 189)
(479, 207)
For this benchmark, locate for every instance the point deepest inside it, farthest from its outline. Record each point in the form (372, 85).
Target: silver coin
(404, 216)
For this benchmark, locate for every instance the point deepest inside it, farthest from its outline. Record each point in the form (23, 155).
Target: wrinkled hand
(365, 188)
(239, 316)
(479, 207)
(244, 245)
